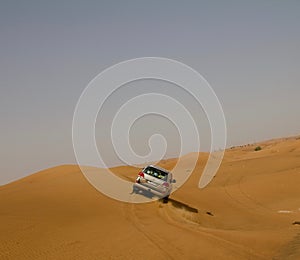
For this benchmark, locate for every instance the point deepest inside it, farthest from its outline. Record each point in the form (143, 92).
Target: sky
(248, 51)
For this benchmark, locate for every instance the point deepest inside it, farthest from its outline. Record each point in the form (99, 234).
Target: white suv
(154, 180)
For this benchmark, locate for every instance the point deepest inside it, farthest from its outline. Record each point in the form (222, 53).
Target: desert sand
(249, 211)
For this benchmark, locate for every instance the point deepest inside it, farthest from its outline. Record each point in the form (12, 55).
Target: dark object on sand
(258, 148)
(209, 213)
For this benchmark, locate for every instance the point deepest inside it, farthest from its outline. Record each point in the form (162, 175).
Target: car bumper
(148, 188)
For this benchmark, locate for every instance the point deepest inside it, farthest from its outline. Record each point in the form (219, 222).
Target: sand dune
(246, 212)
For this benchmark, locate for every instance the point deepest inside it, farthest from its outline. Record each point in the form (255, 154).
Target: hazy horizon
(248, 52)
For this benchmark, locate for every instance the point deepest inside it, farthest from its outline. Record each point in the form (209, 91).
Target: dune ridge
(246, 212)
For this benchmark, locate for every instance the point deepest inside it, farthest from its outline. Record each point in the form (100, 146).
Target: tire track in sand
(130, 213)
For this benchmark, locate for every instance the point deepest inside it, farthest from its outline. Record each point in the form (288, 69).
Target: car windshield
(156, 173)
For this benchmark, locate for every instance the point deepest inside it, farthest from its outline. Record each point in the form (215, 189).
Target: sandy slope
(247, 212)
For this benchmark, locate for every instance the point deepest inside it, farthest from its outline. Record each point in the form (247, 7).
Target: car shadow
(181, 205)
(178, 204)
(145, 193)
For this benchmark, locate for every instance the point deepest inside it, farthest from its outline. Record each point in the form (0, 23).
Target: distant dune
(251, 210)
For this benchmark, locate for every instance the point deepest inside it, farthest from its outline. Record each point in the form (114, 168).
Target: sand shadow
(181, 205)
(175, 203)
